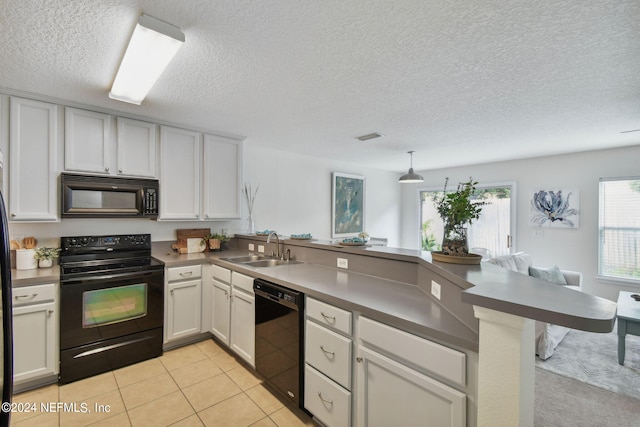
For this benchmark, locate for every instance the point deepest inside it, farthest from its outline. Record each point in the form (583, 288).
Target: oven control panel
(98, 243)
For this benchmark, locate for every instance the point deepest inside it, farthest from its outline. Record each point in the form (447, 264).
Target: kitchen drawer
(422, 353)
(241, 281)
(329, 352)
(328, 315)
(184, 273)
(326, 400)
(220, 273)
(33, 294)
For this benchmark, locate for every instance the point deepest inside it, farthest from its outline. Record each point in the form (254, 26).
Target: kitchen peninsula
(483, 311)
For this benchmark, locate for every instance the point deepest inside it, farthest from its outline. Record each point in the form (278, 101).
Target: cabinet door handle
(333, 318)
(19, 297)
(332, 353)
(171, 291)
(359, 359)
(330, 402)
(106, 169)
(186, 273)
(119, 170)
(50, 312)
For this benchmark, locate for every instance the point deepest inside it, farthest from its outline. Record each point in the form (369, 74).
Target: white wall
(294, 197)
(570, 249)
(295, 194)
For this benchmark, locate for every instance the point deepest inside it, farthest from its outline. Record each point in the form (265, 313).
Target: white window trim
(513, 207)
(611, 280)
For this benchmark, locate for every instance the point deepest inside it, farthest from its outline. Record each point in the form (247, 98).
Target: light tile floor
(197, 385)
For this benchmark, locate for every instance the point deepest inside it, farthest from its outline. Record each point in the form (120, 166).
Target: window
(619, 228)
(490, 235)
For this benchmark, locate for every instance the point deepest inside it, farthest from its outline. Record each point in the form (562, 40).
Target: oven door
(101, 308)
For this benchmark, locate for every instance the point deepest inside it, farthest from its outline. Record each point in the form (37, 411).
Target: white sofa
(548, 336)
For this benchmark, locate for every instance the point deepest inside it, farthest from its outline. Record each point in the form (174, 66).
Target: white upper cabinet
(187, 166)
(222, 177)
(179, 174)
(87, 141)
(93, 145)
(33, 162)
(136, 147)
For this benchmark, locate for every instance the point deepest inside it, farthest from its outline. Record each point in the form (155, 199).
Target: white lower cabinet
(35, 333)
(243, 323)
(328, 362)
(233, 315)
(391, 392)
(326, 400)
(221, 314)
(183, 302)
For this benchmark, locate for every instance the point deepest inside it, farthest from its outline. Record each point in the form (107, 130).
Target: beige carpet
(564, 402)
(593, 359)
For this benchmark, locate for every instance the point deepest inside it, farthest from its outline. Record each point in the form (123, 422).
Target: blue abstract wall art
(348, 205)
(555, 208)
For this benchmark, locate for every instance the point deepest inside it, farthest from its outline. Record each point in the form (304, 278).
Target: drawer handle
(50, 312)
(19, 297)
(330, 402)
(186, 273)
(333, 318)
(332, 353)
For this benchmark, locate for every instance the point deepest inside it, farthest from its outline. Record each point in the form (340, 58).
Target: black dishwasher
(280, 338)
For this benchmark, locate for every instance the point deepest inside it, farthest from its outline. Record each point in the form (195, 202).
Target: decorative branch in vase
(250, 197)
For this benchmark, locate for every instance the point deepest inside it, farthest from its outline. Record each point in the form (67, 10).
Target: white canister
(25, 259)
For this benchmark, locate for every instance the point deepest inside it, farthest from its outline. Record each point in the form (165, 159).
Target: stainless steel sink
(259, 261)
(243, 259)
(271, 262)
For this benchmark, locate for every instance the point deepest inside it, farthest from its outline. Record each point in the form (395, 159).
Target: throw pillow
(553, 274)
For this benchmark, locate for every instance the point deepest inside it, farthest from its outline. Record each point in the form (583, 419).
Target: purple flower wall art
(555, 209)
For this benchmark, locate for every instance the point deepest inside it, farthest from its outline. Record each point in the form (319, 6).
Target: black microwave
(89, 196)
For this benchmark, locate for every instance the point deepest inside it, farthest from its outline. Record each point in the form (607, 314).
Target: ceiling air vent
(369, 136)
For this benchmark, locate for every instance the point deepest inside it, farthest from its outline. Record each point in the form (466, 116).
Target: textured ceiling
(460, 82)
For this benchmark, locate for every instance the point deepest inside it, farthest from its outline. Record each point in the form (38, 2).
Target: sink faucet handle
(288, 255)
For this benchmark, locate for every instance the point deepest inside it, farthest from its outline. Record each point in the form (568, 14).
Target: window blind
(619, 228)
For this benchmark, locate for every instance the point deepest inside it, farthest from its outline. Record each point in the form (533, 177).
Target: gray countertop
(485, 285)
(36, 276)
(502, 290)
(402, 304)
(399, 304)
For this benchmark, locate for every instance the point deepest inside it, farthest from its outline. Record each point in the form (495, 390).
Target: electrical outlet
(435, 289)
(261, 249)
(251, 247)
(343, 263)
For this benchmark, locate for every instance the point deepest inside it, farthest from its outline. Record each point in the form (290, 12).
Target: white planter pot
(45, 263)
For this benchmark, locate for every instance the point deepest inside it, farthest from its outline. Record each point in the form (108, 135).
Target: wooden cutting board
(187, 233)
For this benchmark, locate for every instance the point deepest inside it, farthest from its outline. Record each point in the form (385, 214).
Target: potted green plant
(458, 209)
(216, 240)
(45, 256)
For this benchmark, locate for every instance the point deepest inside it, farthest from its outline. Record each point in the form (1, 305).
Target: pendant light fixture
(411, 177)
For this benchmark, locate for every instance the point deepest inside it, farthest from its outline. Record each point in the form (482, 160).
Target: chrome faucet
(273, 233)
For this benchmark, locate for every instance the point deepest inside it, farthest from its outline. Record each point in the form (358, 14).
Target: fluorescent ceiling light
(152, 46)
